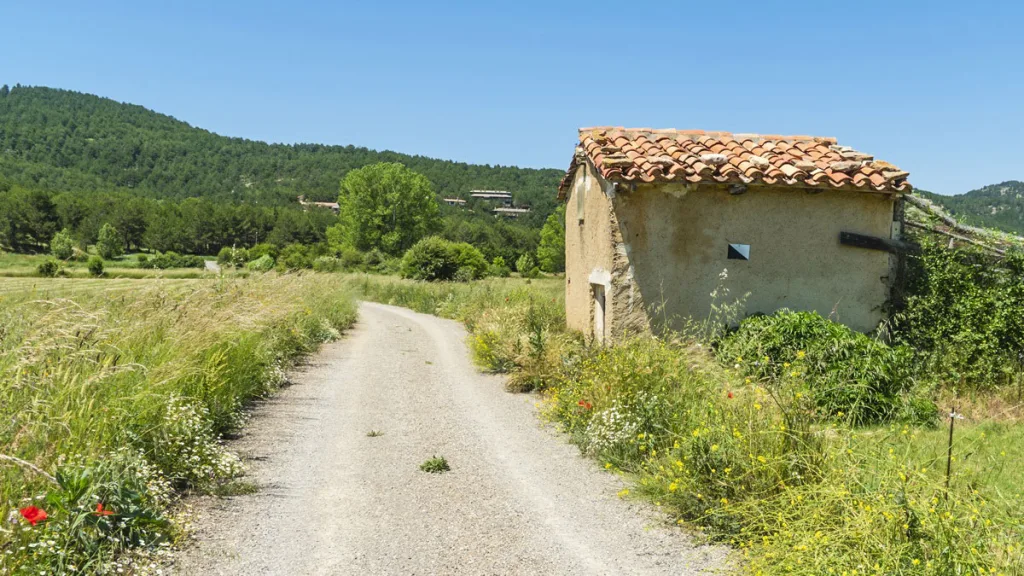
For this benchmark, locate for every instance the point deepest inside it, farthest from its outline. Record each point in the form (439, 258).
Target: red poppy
(33, 515)
(586, 405)
(101, 512)
(730, 395)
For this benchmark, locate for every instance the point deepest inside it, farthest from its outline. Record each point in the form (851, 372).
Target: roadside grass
(750, 461)
(118, 393)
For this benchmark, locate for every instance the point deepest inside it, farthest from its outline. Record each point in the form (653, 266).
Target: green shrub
(110, 243)
(525, 264)
(965, 316)
(327, 264)
(374, 259)
(435, 259)
(264, 263)
(846, 374)
(260, 250)
(231, 256)
(295, 257)
(142, 259)
(48, 268)
(464, 274)
(498, 268)
(169, 260)
(350, 259)
(95, 266)
(62, 247)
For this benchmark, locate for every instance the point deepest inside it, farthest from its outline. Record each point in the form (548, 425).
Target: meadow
(116, 394)
(752, 457)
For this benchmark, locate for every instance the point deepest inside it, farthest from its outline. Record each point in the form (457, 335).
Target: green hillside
(999, 206)
(68, 141)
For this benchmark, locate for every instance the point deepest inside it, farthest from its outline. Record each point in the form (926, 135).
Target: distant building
(499, 196)
(653, 217)
(455, 202)
(511, 212)
(332, 206)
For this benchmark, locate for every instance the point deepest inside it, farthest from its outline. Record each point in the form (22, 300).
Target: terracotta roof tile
(646, 155)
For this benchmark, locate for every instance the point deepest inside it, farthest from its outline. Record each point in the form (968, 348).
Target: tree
(386, 206)
(551, 252)
(62, 246)
(110, 244)
(524, 264)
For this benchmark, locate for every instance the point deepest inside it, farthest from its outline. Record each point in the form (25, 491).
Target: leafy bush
(260, 250)
(142, 259)
(231, 256)
(264, 263)
(965, 316)
(350, 259)
(326, 264)
(110, 243)
(845, 373)
(48, 268)
(373, 259)
(95, 266)
(464, 274)
(62, 246)
(435, 259)
(295, 257)
(524, 264)
(168, 260)
(498, 268)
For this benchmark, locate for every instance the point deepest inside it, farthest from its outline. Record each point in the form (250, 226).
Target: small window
(739, 251)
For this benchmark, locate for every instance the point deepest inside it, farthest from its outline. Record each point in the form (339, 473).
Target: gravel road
(518, 500)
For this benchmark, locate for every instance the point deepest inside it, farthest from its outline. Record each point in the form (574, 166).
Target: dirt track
(519, 499)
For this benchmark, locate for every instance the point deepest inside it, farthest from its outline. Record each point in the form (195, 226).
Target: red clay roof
(640, 155)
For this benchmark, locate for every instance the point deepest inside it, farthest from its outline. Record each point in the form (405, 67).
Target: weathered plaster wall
(589, 247)
(677, 237)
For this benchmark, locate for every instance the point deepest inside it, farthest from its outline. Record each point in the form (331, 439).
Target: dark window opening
(739, 252)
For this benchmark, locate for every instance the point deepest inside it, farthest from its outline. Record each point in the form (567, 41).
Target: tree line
(67, 141)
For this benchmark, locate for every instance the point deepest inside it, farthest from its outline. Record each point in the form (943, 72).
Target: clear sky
(935, 87)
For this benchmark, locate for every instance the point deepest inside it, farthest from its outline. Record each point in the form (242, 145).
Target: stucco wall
(677, 237)
(590, 228)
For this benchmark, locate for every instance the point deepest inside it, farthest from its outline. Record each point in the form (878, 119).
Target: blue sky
(934, 87)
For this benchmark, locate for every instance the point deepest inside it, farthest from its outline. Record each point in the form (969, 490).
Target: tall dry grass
(123, 395)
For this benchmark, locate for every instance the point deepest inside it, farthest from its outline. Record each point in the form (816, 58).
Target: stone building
(653, 217)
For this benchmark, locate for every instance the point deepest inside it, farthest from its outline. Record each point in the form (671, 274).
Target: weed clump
(435, 465)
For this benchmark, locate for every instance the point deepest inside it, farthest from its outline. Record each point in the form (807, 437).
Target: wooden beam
(875, 243)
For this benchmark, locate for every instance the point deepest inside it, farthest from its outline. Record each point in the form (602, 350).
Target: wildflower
(673, 487)
(785, 364)
(585, 405)
(100, 511)
(757, 406)
(915, 561)
(729, 395)
(607, 465)
(800, 354)
(762, 459)
(33, 515)
(624, 492)
(724, 501)
(714, 447)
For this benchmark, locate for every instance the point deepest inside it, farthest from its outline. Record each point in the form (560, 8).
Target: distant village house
(455, 202)
(511, 212)
(655, 217)
(499, 196)
(333, 206)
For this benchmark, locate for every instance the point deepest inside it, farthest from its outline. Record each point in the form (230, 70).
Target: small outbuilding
(654, 217)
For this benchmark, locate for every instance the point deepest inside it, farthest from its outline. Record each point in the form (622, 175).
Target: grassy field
(127, 266)
(114, 397)
(748, 461)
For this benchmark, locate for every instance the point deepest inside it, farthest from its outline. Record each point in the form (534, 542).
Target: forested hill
(64, 140)
(998, 206)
